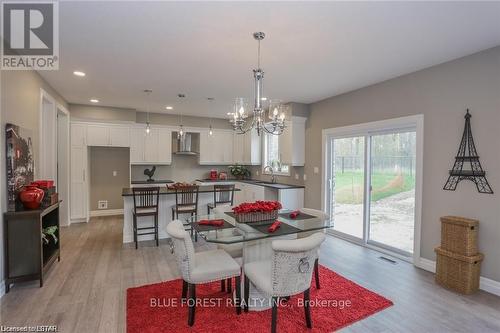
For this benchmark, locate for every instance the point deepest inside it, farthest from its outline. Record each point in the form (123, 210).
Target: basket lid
(458, 220)
(469, 259)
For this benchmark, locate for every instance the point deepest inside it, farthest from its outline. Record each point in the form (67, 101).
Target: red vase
(31, 197)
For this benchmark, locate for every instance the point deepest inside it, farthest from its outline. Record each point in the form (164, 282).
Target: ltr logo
(30, 36)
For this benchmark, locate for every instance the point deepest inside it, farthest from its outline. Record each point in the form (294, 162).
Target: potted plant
(239, 171)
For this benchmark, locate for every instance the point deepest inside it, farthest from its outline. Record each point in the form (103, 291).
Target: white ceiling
(312, 50)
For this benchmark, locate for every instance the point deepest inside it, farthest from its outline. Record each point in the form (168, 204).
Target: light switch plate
(305, 177)
(316, 170)
(297, 176)
(115, 173)
(257, 172)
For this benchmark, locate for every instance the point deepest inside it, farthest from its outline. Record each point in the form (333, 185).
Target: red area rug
(339, 302)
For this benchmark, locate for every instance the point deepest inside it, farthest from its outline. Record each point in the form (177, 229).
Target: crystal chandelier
(276, 111)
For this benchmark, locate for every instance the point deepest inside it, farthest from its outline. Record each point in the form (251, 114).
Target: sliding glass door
(348, 185)
(392, 192)
(371, 187)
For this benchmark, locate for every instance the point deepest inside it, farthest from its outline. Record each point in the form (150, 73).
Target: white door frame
(63, 163)
(45, 154)
(416, 121)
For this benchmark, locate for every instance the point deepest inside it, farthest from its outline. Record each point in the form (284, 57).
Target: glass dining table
(233, 232)
(250, 242)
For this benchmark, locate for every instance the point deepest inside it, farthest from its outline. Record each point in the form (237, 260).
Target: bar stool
(145, 204)
(186, 201)
(223, 196)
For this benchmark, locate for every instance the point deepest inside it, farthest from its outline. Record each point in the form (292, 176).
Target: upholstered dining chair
(288, 273)
(323, 216)
(201, 267)
(234, 250)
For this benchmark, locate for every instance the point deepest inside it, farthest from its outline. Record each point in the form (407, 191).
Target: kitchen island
(166, 202)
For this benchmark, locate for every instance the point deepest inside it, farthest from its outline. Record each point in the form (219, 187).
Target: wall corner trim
(2, 288)
(485, 284)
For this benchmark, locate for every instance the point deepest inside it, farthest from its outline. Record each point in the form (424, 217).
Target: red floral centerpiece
(257, 211)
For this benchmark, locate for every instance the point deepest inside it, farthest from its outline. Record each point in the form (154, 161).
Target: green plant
(239, 171)
(49, 231)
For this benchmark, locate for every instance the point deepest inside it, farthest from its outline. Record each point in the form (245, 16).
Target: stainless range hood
(184, 145)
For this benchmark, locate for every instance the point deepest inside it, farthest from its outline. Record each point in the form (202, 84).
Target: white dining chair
(288, 273)
(323, 216)
(234, 250)
(201, 267)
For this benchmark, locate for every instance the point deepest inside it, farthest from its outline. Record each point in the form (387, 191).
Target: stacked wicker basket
(458, 265)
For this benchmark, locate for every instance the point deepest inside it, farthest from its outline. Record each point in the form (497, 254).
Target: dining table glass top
(234, 232)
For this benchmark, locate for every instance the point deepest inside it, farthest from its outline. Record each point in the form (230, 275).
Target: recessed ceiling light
(79, 73)
(169, 107)
(93, 100)
(263, 99)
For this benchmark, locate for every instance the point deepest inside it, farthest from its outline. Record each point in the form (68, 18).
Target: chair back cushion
(183, 248)
(293, 264)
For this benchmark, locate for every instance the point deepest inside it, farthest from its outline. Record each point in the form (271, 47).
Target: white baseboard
(485, 284)
(106, 212)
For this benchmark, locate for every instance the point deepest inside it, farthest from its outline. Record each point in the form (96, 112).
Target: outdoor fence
(379, 164)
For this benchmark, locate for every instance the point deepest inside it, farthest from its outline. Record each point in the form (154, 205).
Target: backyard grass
(349, 186)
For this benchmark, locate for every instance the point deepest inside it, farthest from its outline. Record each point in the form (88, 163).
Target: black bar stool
(223, 194)
(146, 204)
(186, 201)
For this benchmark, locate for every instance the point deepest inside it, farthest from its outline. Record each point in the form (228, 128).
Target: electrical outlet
(316, 170)
(305, 177)
(102, 204)
(257, 172)
(297, 176)
(115, 173)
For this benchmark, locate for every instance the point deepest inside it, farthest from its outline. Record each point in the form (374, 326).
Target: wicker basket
(459, 235)
(256, 216)
(458, 272)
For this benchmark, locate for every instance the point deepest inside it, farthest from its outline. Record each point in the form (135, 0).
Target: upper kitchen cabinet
(292, 142)
(108, 135)
(247, 148)
(78, 135)
(154, 147)
(216, 149)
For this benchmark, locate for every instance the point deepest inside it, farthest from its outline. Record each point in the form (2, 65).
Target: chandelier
(274, 123)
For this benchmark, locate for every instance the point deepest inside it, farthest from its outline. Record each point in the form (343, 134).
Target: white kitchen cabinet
(79, 184)
(78, 135)
(247, 148)
(97, 135)
(292, 142)
(152, 148)
(119, 136)
(216, 149)
(165, 146)
(106, 135)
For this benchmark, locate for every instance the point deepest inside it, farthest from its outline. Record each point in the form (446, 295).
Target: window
(272, 156)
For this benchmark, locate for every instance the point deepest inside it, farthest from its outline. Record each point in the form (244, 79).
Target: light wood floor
(85, 292)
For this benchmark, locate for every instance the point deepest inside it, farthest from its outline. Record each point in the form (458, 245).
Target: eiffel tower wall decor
(467, 165)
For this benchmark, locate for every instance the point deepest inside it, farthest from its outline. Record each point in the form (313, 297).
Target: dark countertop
(278, 186)
(167, 181)
(165, 190)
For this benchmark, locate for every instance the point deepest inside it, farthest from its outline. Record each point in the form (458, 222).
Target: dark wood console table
(27, 256)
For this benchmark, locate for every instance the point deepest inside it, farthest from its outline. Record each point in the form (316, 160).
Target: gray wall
(93, 112)
(19, 104)
(441, 93)
(103, 185)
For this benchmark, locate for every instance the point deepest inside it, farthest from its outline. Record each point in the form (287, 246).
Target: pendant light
(181, 132)
(148, 94)
(210, 130)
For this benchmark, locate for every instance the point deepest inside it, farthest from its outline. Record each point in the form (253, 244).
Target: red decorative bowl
(31, 197)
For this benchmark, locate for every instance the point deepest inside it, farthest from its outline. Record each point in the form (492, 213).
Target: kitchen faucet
(270, 168)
